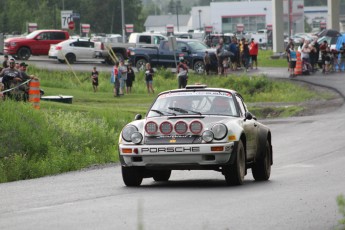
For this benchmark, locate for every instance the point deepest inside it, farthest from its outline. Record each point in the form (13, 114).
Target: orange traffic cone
(298, 68)
(34, 93)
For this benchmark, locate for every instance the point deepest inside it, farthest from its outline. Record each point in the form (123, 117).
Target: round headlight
(195, 127)
(219, 131)
(151, 127)
(128, 131)
(207, 136)
(136, 137)
(181, 127)
(166, 128)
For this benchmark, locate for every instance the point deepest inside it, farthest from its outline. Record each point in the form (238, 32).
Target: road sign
(66, 17)
(71, 25)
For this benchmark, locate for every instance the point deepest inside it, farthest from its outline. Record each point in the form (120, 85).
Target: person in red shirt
(253, 51)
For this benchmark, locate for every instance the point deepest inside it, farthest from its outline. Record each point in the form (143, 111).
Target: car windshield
(33, 34)
(197, 46)
(194, 103)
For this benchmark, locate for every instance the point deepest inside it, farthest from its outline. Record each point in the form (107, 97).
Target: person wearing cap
(24, 77)
(10, 77)
(5, 63)
(182, 74)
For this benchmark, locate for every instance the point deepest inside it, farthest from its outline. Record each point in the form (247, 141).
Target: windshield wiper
(183, 110)
(162, 113)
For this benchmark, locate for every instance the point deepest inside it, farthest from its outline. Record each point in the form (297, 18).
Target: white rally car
(196, 128)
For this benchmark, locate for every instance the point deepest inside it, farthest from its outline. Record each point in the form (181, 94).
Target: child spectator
(130, 78)
(292, 56)
(94, 79)
(149, 78)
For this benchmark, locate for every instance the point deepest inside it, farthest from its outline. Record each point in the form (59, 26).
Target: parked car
(191, 50)
(74, 50)
(196, 128)
(135, 40)
(35, 43)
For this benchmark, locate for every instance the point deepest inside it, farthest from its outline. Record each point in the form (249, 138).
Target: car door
(41, 44)
(250, 129)
(83, 49)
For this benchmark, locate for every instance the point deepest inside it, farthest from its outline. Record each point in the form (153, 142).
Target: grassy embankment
(64, 137)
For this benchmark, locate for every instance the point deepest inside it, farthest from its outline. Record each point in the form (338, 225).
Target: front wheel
(234, 173)
(262, 168)
(141, 64)
(24, 53)
(132, 176)
(199, 67)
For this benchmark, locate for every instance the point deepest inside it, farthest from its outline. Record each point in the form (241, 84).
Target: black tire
(24, 53)
(132, 176)
(234, 174)
(199, 67)
(161, 175)
(61, 61)
(141, 64)
(262, 168)
(70, 58)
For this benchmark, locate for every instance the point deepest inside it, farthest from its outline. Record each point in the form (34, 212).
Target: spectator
(292, 56)
(328, 60)
(342, 57)
(24, 77)
(207, 62)
(182, 74)
(123, 79)
(219, 52)
(5, 63)
(130, 78)
(115, 79)
(149, 78)
(10, 77)
(245, 54)
(233, 50)
(254, 50)
(312, 56)
(94, 79)
(323, 50)
(287, 51)
(17, 65)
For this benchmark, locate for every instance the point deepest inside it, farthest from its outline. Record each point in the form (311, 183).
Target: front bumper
(177, 156)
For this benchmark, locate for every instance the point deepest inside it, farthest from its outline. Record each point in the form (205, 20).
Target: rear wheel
(132, 176)
(70, 58)
(141, 64)
(161, 175)
(234, 174)
(24, 53)
(262, 168)
(199, 67)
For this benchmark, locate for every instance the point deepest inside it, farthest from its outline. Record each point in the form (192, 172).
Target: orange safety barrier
(34, 93)
(298, 68)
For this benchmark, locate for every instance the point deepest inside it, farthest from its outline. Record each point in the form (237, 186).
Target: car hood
(16, 39)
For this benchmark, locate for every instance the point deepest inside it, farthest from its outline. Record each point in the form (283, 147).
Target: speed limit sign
(66, 17)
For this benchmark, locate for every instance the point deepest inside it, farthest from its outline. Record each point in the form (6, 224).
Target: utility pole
(178, 5)
(123, 22)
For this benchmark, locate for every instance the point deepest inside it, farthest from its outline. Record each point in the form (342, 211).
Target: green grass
(265, 60)
(63, 137)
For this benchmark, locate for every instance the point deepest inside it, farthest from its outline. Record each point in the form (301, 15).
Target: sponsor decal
(170, 150)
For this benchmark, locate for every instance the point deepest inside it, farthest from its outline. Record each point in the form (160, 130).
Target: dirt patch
(306, 108)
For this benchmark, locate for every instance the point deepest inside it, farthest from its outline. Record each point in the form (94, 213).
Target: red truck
(35, 43)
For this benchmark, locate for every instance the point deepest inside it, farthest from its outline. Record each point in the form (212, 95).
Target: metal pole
(199, 20)
(123, 22)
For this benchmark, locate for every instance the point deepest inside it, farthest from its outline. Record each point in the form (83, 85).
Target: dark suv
(35, 43)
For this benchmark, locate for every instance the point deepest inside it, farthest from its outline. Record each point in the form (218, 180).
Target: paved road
(307, 175)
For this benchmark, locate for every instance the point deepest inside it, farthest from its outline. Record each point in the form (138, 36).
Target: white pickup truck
(120, 49)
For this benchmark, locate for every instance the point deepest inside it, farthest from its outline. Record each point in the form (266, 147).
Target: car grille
(176, 139)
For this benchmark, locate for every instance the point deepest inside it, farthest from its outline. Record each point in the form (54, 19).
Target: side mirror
(248, 116)
(138, 117)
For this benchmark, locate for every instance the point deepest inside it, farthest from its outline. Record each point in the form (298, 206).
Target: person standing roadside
(94, 79)
(182, 74)
(254, 50)
(207, 63)
(245, 54)
(10, 77)
(123, 79)
(24, 77)
(149, 78)
(130, 78)
(342, 57)
(5, 63)
(292, 56)
(115, 79)
(287, 52)
(219, 51)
